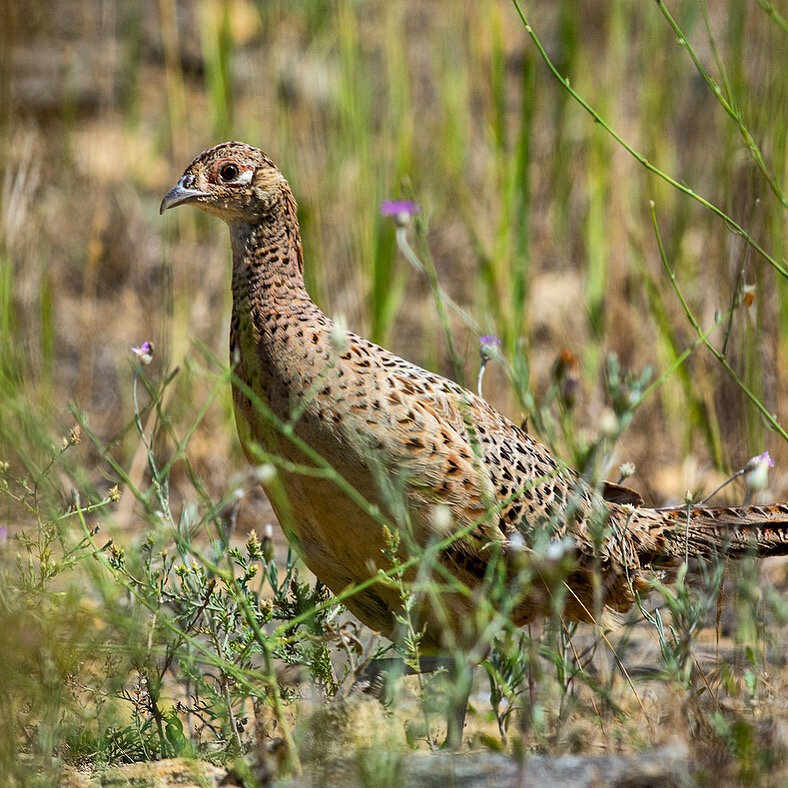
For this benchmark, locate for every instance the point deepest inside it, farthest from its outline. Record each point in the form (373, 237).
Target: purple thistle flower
(400, 210)
(489, 346)
(144, 352)
(396, 207)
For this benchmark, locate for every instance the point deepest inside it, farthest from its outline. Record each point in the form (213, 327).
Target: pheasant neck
(267, 263)
(271, 309)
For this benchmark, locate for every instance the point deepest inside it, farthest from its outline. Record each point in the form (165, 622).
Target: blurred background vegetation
(537, 220)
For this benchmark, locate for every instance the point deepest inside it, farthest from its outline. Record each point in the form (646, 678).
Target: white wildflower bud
(265, 473)
(556, 550)
(441, 518)
(608, 423)
(756, 472)
(267, 545)
(626, 469)
(338, 337)
(748, 296)
(516, 542)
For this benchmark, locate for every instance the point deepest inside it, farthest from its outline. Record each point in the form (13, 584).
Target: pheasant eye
(229, 172)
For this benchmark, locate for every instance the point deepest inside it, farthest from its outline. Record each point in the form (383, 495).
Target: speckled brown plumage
(401, 434)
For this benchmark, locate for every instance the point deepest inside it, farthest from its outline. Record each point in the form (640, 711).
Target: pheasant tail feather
(735, 531)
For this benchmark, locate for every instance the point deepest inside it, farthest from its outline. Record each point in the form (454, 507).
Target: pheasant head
(234, 181)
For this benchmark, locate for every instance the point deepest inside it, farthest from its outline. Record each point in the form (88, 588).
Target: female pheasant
(422, 458)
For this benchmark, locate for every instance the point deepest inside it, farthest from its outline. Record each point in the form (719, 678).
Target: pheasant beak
(181, 193)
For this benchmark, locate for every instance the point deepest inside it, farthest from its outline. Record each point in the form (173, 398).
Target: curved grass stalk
(731, 223)
(725, 103)
(770, 418)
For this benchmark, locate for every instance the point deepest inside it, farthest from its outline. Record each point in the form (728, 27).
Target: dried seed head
(253, 548)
